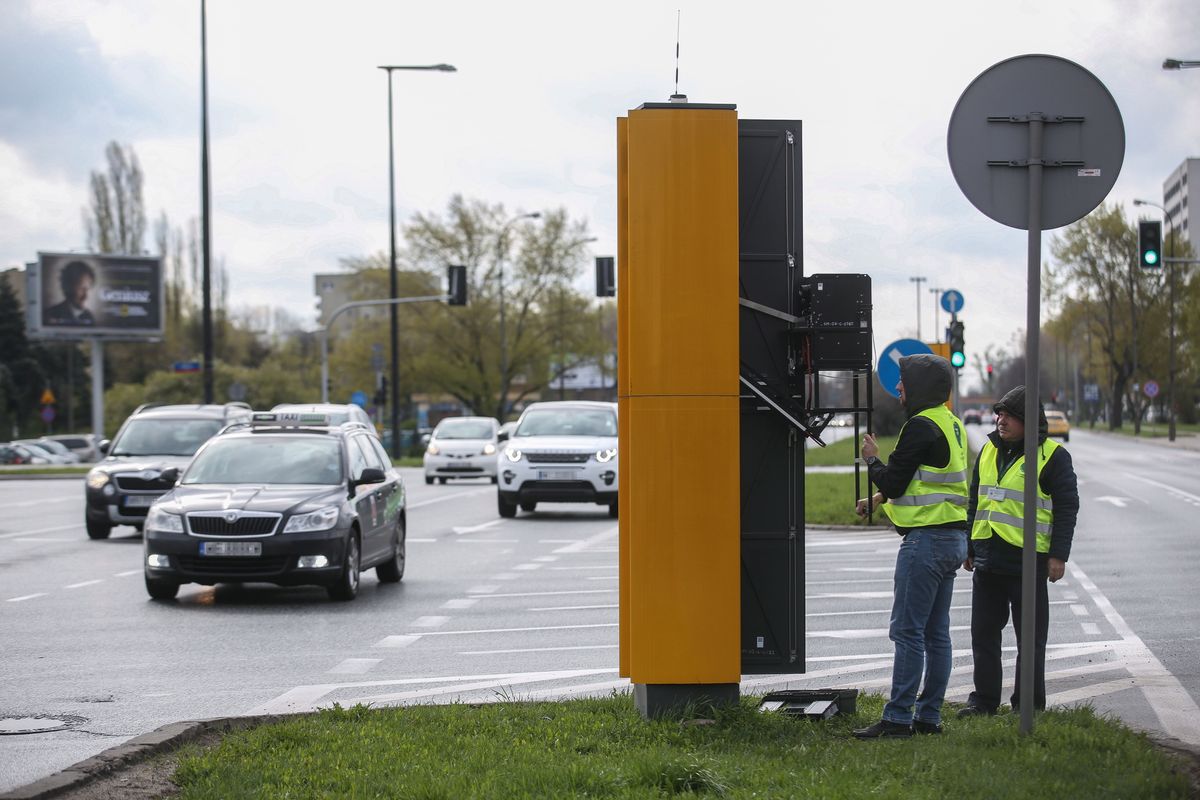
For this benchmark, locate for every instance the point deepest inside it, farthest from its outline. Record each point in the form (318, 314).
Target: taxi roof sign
(288, 419)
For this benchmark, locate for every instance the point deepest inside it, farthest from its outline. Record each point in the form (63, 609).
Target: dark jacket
(1057, 480)
(927, 381)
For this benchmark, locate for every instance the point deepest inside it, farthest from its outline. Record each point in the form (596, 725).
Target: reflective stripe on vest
(935, 495)
(1001, 501)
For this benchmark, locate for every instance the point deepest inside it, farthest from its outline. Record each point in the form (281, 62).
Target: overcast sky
(298, 119)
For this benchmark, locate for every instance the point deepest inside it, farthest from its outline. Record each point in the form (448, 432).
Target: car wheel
(612, 509)
(529, 507)
(161, 589)
(507, 509)
(97, 529)
(346, 587)
(1066, 437)
(428, 480)
(392, 570)
(442, 481)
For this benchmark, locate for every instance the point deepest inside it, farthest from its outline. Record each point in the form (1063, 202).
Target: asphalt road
(527, 608)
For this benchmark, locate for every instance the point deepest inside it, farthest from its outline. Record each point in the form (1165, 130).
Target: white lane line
(847, 583)
(589, 543)
(1070, 596)
(26, 597)
(1092, 690)
(557, 541)
(1090, 628)
(127, 573)
(554, 594)
(355, 666)
(506, 576)
(488, 541)
(460, 602)
(484, 631)
(602, 566)
(572, 608)
(456, 689)
(604, 577)
(864, 595)
(81, 584)
(41, 539)
(866, 569)
(538, 650)
(429, 621)
(485, 588)
(412, 540)
(527, 567)
(1175, 708)
(1171, 489)
(444, 498)
(39, 530)
(476, 528)
(1079, 609)
(866, 633)
(546, 559)
(397, 641)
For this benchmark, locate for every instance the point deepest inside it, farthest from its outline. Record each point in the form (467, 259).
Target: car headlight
(432, 449)
(160, 520)
(489, 449)
(97, 478)
(606, 455)
(512, 454)
(320, 520)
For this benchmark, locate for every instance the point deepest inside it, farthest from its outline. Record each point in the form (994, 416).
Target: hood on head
(1013, 404)
(927, 381)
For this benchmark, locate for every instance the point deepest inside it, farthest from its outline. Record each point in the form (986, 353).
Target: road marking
(26, 597)
(602, 566)
(41, 539)
(477, 528)
(128, 572)
(588, 543)
(1119, 502)
(546, 559)
(539, 650)
(460, 602)
(553, 594)
(484, 631)
(39, 530)
(355, 666)
(1169, 488)
(1079, 609)
(1176, 709)
(847, 583)
(572, 608)
(868, 611)
(444, 498)
(866, 633)
(397, 641)
(412, 540)
(489, 541)
(429, 622)
(557, 541)
(506, 576)
(482, 589)
(864, 595)
(84, 583)
(1070, 596)
(527, 567)
(865, 569)
(1090, 628)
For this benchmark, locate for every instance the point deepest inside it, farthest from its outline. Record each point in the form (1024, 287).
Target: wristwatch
(872, 461)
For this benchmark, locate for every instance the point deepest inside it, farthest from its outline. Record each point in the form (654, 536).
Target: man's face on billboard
(77, 293)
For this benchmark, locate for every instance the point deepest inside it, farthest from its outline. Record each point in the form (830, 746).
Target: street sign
(237, 391)
(359, 399)
(889, 362)
(952, 301)
(186, 366)
(1091, 392)
(48, 414)
(1150, 389)
(48, 398)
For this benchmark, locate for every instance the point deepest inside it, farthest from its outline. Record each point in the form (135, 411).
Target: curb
(161, 740)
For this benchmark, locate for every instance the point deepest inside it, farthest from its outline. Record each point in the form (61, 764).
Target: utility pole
(918, 281)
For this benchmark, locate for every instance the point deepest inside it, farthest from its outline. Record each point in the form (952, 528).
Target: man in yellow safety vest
(997, 518)
(924, 490)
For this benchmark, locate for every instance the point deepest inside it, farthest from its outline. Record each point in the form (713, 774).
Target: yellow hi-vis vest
(936, 495)
(1001, 505)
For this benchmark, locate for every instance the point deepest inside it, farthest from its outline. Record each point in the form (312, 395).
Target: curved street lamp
(1175, 63)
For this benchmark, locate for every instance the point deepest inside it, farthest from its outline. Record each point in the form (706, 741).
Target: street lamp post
(395, 324)
(918, 281)
(1175, 63)
(937, 318)
(503, 329)
(1171, 315)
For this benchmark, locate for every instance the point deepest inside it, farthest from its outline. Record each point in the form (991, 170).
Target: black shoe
(920, 726)
(884, 729)
(972, 710)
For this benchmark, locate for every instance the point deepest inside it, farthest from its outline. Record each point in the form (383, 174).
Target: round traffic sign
(359, 399)
(48, 414)
(889, 362)
(952, 301)
(1150, 388)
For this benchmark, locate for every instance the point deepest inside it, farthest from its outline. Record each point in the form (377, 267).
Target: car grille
(233, 566)
(460, 469)
(205, 525)
(558, 458)
(132, 483)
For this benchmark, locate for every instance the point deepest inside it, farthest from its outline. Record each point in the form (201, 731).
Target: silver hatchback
(462, 447)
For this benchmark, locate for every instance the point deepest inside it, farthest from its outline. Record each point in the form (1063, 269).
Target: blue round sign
(952, 301)
(359, 399)
(889, 362)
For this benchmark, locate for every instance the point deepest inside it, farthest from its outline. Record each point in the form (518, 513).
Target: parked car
(972, 416)
(41, 454)
(1058, 425)
(287, 499)
(81, 444)
(57, 448)
(121, 488)
(13, 454)
(562, 452)
(462, 447)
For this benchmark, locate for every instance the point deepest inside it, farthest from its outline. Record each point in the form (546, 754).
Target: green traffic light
(1151, 257)
(958, 359)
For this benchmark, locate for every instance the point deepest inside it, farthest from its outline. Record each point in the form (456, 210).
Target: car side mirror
(103, 446)
(371, 475)
(170, 475)
(502, 436)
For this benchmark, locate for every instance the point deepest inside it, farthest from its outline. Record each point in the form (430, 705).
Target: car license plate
(140, 500)
(231, 548)
(557, 475)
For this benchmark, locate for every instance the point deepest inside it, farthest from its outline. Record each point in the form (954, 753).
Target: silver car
(462, 447)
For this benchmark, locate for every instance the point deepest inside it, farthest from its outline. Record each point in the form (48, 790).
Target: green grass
(829, 498)
(80, 470)
(604, 749)
(1150, 430)
(841, 452)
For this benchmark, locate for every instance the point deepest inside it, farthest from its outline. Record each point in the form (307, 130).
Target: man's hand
(969, 564)
(861, 507)
(869, 448)
(1057, 567)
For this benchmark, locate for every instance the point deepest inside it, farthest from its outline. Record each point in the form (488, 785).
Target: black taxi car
(287, 498)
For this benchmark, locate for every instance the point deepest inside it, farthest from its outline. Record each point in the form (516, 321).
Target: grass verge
(80, 470)
(841, 452)
(604, 749)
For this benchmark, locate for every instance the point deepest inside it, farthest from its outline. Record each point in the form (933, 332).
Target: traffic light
(990, 375)
(381, 394)
(958, 358)
(456, 283)
(606, 276)
(1150, 244)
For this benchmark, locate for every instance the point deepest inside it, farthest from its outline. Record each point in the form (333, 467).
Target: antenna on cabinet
(677, 97)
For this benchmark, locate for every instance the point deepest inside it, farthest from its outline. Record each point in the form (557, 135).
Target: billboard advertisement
(82, 295)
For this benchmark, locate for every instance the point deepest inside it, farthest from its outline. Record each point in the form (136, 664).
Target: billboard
(82, 296)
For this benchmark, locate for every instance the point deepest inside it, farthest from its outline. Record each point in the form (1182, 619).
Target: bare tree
(115, 219)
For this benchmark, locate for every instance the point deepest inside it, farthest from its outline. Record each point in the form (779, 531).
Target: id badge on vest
(995, 493)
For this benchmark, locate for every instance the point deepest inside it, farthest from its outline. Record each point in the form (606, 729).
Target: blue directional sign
(889, 362)
(359, 399)
(952, 301)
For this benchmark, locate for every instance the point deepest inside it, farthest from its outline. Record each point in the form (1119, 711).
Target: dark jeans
(992, 596)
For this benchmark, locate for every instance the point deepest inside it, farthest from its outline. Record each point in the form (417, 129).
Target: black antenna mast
(677, 97)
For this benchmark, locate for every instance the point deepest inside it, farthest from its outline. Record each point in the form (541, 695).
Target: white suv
(563, 452)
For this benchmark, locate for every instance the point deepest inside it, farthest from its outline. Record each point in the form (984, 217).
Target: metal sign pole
(1033, 314)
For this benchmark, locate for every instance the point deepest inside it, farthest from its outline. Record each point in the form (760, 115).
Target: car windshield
(464, 429)
(268, 458)
(164, 437)
(568, 422)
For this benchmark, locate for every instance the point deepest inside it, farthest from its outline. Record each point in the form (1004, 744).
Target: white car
(462, 447)
(561, 452)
